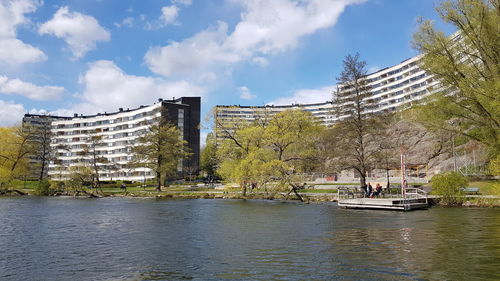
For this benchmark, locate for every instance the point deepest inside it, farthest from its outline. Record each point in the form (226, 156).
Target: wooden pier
(414, 199)
(398, 204)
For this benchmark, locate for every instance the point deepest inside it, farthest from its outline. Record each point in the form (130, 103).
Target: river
(147, 239)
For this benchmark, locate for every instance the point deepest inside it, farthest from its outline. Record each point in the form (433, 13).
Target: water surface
(146, 239)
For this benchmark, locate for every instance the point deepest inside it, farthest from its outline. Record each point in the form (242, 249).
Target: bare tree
(42, 152)
(355, 135)
(93, 154)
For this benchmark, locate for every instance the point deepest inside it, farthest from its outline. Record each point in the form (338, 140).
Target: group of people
(369, 192)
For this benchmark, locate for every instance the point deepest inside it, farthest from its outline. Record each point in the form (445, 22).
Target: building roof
(275, 106)
(120, 110)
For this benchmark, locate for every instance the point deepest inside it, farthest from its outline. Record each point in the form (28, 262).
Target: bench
(470, 190)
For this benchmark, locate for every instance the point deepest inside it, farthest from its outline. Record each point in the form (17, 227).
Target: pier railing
(416, 193)
(356, 192)
(348, 193)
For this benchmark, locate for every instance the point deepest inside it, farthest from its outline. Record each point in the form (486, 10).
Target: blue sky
(88, 56)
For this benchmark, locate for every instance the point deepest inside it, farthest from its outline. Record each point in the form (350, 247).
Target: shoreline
(327, 197)
(482, 202)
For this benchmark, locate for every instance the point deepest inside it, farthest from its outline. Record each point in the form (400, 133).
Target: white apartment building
(118, 133)
(392, 88)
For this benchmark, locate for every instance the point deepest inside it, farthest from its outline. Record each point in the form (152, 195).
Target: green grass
(318, 191)
(336, 183)
(485, 202)
(487, 187)
(20, 184)
(165, 190)
(357, 183)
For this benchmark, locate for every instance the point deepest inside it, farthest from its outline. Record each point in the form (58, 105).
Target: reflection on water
(143, 239)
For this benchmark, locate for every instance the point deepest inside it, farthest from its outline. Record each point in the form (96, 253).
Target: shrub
(448, 186)
(56, 186)
(43, 188)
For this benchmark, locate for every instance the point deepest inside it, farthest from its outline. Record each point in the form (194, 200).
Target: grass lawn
(318, 191)
(20, 184)
(168, 189)
(336, 183)
(487, 187)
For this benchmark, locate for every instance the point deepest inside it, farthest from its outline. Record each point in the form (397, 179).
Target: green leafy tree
(272, 154)
(161, 149)
(14, 152)
(79, 178)
(208, 156)
(467, 64)
(238, 145)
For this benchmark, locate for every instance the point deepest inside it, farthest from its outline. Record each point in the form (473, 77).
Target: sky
(90, 56)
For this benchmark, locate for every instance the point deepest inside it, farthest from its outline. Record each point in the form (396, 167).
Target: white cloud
(29, 90)
(260, 61)
(208, 77)
(38, 111)
(126, 22)
(81, 32)
(245, 93)
(307, 96)
(270, 26)
(182, 2)
(196, 52)
(12, 50)
(169, 14)
(107, 88)
(11, 113)
(266, 27)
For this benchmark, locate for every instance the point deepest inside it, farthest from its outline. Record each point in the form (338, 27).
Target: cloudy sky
(89, 56)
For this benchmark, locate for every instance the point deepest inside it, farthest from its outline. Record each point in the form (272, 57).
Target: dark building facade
(185, 113)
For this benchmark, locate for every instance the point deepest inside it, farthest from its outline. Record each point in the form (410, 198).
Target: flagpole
(403, 176)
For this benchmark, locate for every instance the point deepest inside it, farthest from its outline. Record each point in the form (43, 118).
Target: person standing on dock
(363, 187)
(369, 190)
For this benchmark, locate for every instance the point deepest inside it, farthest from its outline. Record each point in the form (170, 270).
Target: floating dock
(398, 204)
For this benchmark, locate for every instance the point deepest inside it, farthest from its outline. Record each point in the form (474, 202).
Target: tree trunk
(42, 171)
(362, 177)
(96, 169)
(244, 189)
(2, 192)
(158, 180)
(294, 189)
(388, 181)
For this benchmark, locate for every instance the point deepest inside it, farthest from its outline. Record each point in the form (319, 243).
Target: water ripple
(144, 239)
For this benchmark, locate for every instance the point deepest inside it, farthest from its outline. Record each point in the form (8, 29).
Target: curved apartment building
(118, 133)
(392, 88)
